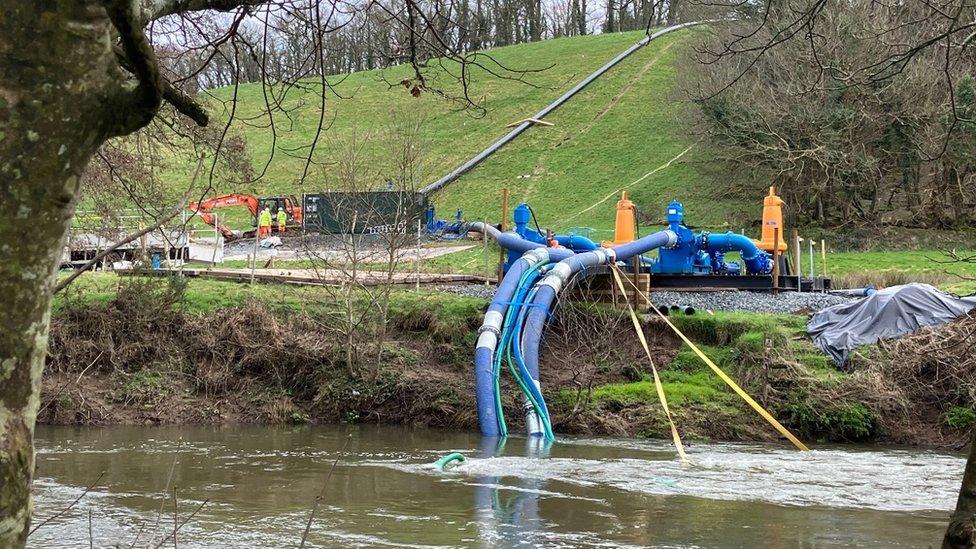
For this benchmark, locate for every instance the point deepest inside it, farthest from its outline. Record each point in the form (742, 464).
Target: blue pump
(705, 252)
(522, 216)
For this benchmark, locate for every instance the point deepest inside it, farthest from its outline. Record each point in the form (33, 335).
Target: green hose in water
(443, 462)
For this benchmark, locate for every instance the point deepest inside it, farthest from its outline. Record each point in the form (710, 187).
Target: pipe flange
(672, 240)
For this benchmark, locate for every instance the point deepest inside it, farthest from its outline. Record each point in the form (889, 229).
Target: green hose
(442, 463)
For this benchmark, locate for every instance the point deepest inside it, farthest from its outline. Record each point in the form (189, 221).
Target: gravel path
(786, 302)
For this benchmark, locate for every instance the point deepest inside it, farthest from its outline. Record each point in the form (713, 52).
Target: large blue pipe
(490, 331)
(576, 242)
(756, 260)
(560, 275)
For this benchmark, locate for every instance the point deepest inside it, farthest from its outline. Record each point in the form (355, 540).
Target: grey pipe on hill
(474, 161)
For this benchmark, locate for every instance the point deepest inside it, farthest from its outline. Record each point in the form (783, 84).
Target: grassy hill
(613, 133)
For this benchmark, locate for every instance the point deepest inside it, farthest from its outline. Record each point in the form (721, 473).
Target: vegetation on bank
(133, 350)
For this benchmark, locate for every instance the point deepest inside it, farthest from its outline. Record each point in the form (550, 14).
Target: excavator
(254, 204)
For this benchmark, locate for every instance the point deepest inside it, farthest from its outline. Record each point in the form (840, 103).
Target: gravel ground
(786, 302)
(760, 302)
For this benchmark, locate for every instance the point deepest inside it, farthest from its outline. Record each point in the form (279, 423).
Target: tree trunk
(57, 74)
(962, 525)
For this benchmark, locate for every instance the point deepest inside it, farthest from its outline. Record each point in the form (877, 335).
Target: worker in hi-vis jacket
(282, 219)
(264, 222)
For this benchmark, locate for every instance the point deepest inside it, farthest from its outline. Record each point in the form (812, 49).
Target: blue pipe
(490, 331)
(576, 242)
(509, 333)
(756, 260)
(560, 275)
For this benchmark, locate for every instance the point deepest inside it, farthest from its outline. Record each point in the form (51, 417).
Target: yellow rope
(657, 380)
(718, 371)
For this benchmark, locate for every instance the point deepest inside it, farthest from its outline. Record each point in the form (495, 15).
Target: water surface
(260, 484)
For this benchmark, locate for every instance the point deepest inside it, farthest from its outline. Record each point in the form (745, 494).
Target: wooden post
(637, 282)
(504, 227)
(417, 266)
(484, 252)
(776, 261)
(823, 256)
(254, 265)
(796, 256)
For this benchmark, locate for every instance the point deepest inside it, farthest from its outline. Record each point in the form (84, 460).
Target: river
(259, 485)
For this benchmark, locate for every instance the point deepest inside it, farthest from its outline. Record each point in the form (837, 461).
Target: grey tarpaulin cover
(889, 313)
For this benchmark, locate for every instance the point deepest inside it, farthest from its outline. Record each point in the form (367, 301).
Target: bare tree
(857, 110)
(75, 74)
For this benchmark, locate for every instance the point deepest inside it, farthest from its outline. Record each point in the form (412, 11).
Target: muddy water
(259, 484)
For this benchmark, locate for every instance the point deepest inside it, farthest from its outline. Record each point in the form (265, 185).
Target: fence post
(823, 256)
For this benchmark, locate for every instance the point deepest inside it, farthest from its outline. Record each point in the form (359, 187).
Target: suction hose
(559, 276)
(490, 330)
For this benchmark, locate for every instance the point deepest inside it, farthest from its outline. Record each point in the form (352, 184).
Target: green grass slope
(612, 134)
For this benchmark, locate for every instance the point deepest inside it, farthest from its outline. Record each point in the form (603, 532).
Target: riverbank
(201, 352)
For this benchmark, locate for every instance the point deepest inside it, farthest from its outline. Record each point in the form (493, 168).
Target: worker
(282, 219)
(264, 223)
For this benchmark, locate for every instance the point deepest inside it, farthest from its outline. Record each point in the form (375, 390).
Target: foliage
(958, 417)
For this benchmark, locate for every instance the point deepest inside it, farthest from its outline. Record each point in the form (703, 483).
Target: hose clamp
(553, 281)
(536, 256)
(491, 329)
(561, 270)
(611, 256)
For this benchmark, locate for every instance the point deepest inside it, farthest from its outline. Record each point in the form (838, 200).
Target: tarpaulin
(889, 313)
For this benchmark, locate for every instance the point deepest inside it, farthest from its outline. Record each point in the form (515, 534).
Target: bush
(958, 417)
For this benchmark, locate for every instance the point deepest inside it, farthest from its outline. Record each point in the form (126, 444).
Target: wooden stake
(504, 226)
(823, 256)
(796, 257)
(776, 261)
(636, 282)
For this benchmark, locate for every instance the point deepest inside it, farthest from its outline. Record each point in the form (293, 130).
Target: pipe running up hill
(478, 158)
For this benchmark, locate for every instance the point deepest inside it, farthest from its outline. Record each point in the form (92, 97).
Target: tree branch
(156, 9)
(171, 94)
(137, 107)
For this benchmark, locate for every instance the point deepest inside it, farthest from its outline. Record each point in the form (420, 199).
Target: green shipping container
(372, 212)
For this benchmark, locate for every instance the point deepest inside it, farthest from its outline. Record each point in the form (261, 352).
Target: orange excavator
(292, 207)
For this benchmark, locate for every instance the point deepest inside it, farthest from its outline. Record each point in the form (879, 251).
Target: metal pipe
(756, 260)
(478, 158)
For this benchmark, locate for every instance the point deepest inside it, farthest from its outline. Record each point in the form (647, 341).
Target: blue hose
(525, 281)
(510, 342)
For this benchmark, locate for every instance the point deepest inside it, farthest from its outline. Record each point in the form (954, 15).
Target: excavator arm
(205, 210)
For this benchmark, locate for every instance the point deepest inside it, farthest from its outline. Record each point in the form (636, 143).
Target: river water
(259, 485)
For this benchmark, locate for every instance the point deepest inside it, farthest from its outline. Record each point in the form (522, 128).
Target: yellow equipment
(626, 227)
(772, 218)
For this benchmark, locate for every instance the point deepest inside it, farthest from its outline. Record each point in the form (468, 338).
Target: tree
(77, 73)
(866, 49)
(850, 107)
